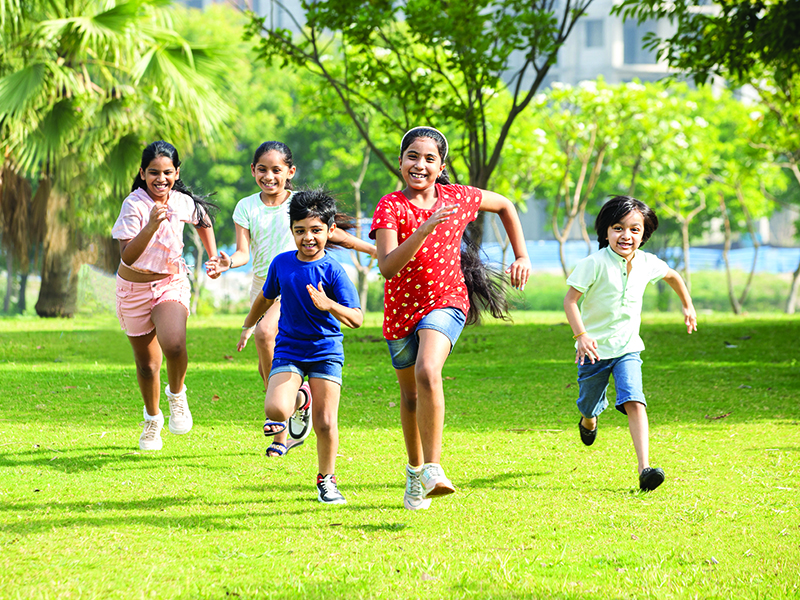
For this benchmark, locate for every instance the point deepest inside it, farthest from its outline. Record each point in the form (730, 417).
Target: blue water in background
(544, 257)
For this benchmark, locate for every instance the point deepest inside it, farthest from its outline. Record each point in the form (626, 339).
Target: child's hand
(319, 298)
(217, 265)
(158, 214)
(438, 217)
(587, 349)
(690, 318)
(246, 333)
(519, 270)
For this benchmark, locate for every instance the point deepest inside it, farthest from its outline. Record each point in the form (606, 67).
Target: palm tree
(84, 84)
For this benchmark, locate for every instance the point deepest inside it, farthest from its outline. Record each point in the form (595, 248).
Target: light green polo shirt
(612, 298)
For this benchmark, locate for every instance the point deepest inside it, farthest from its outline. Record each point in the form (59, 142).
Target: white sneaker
(180, 417)
(434, 481)
(151, 434)
(300, 424)
(414, 498)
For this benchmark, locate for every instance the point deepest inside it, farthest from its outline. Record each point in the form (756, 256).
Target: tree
(82, 84)
(402, 64)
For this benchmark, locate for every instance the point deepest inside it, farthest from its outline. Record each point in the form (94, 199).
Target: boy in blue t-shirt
(316, 295)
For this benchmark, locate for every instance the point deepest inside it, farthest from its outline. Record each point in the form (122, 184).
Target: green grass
(84, 514)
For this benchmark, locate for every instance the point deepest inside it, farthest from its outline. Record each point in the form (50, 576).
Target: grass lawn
(85, 514)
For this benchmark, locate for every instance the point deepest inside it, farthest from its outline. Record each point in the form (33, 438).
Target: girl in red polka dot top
(430, 282)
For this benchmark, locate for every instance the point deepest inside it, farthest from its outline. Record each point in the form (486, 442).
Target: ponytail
(486, 287)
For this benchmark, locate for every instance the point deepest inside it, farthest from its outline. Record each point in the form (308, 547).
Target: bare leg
(590, 424)
(325, 415)
(281, 399)
(408, 415)
(434, 347)
(147, 354)
(170, 321)
(640, 431)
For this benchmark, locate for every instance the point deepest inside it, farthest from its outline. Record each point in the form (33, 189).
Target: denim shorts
(449, 321)
(593, 383)
(330, 369)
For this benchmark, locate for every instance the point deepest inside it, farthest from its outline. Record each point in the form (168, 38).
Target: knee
(148, 369)
(409, 400)
(266, 332)
(325, 425)
(173, 350)
(428, 376)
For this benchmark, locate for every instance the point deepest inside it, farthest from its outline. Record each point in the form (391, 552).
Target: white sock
(148, 417)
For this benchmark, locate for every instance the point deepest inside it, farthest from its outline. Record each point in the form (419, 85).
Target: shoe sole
(304, 432)
(440, 489)
(342, 501)
(177, 431)
(652, 481)
(160, 446)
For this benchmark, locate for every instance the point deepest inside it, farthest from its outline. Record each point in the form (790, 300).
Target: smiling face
(625, 236)
(421, 164)
(310, 236)
(159, 177)
(271, 173)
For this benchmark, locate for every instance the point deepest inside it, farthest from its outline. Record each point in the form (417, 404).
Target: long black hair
(615, 209)
(282, 149)
(320, 203)
(203, 206)
(486, 286)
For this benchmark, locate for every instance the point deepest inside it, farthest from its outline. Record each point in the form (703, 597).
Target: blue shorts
(330, 369)
(449, 321)
(593, 383)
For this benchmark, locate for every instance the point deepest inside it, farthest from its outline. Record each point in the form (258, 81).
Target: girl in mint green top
(262, 223)
(606, 326)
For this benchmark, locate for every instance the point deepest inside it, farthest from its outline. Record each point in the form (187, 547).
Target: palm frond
(20, 88)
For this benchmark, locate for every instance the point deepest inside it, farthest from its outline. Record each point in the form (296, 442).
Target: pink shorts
(135, 301)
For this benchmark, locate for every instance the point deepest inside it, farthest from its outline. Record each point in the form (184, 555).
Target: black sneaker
(650, 479)
(328, 492)
(588, 436)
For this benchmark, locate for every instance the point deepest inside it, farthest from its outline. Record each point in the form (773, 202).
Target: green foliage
(731, 38)
(536, 514)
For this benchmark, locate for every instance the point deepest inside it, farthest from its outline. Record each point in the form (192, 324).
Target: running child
(433, 288)
(262, 222)
(317, 295)
(606, 326)
(153, 288)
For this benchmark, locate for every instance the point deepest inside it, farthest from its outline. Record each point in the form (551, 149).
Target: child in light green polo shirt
(606, 326)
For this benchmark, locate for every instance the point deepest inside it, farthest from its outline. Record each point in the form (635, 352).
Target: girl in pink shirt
(429, 285)
(153, 288)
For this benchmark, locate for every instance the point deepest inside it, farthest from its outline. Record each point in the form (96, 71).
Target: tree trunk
(23, 287)
(791, 304)
(9, 279)
(687, 272)
(725, 249)
(756, 244)
(58, 296)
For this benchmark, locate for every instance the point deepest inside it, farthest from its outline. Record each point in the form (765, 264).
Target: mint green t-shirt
(612, 298)
(270, 233)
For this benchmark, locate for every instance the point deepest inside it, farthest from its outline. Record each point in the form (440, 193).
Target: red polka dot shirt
(432, 279)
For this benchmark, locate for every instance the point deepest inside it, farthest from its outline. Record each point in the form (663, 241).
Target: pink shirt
(164, 253)
(432, 278)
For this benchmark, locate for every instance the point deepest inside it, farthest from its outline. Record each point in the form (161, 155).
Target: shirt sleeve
(241, 216)
(272, 285)
(583, 276)
(658, 268)
(344, 292)
(129, 223)
(385, 216)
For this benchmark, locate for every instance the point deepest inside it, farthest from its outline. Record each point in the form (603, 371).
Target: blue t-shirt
(306, 333)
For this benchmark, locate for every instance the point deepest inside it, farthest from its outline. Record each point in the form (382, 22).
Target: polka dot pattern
(433, 278)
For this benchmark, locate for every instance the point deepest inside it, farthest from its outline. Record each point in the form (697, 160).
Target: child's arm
(219, 264)
(131, 250)
(520, 269)
(260, 306)
(393, 257)
(675, 281)
(210, 244)
(352, 317)
(346, 240)
(587, 346)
